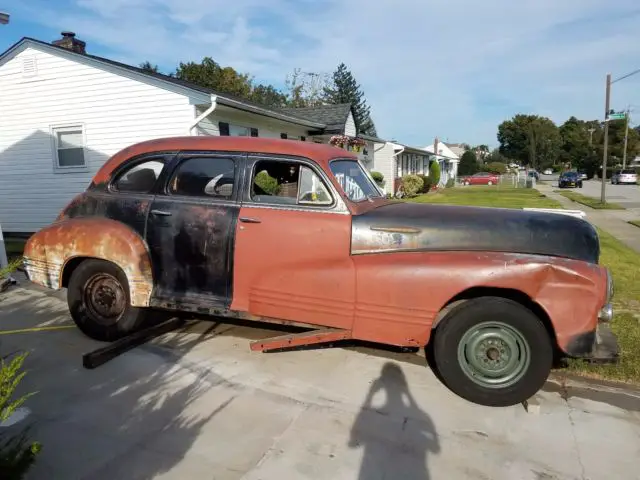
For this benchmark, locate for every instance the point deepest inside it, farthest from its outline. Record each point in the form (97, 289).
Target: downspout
(205, 114)
(396, 167)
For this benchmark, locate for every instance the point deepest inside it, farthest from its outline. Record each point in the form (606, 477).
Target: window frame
(255, 158)
(184, 156)
(133, 162)
(68, 127)
(367, 175)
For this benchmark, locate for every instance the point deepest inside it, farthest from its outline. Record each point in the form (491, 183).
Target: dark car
(295, 233)
(570, 179)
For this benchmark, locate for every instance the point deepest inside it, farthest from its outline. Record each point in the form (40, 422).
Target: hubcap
(104, 297)
(494, 355)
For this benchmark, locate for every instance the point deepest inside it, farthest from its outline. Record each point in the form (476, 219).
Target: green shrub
(267, 183)
(17, 454)
(412, 185)
(378, 178)
(434, 173)
(426, 184)
(495, 167)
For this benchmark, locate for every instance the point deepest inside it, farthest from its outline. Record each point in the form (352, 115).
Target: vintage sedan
(481, 178)
(291, 232)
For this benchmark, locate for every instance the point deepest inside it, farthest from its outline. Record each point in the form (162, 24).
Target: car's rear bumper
(599, 345)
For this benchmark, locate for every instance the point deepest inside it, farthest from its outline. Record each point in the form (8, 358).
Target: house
(456, 148)
(447, 158)
(65, 112)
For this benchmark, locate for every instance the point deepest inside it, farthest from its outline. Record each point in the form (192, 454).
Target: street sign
(617, 116)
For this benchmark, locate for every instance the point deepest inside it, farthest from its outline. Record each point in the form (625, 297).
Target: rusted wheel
(98, 298)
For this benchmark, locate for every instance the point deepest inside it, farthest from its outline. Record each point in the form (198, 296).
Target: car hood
(405, 226)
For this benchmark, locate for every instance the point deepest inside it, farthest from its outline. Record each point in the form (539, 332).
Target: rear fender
(49, 252)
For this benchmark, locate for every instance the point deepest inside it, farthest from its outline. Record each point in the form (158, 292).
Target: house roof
(333, 116)
(444, 151)
(223, 98)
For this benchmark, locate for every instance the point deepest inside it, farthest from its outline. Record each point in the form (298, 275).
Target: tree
(305, 89)
(345, 89)
(531, 139)
(468, 163)
(148, 67)
(577, 141)
(268, 96)
(210, 74)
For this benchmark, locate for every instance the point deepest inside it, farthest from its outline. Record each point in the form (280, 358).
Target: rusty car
(298, 233)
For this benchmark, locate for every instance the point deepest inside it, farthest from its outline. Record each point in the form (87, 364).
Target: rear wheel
(489, 182)
(493, 351)
(99, 301)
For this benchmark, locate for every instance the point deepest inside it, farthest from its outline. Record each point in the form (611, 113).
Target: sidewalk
(607, 220)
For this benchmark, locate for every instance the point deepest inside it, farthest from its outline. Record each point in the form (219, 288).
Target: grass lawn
(493, 196)
(623, 262)
(589, 201)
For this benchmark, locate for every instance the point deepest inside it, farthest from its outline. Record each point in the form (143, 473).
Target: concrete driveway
(199, 404)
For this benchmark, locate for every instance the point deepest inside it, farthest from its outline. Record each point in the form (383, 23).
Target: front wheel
(493, 351)
(99, 302)
(489, 182)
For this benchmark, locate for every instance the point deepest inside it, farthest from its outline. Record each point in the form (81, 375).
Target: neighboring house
(448, 161)
(64, 112)
(456, 148)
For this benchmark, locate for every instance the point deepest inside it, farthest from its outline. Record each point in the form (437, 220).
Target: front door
(190, 230)
(292, 252)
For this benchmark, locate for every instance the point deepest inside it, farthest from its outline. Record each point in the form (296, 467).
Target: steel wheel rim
(104, 298)
(494, 355)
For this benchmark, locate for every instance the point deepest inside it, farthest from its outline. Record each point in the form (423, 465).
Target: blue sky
(448, 68)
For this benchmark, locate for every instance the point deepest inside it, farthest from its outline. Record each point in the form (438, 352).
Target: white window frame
(54, 129)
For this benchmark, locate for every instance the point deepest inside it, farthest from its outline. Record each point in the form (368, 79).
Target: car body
(481, 178)
(548, 171)
(569, 179)
(624, 177)
(534, 174)
(296, 233)
(583, 175)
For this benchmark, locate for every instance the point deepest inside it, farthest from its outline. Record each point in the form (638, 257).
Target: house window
(69, 147)
(228, 129)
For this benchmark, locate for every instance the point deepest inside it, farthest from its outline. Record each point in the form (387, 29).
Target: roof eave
(229, 102)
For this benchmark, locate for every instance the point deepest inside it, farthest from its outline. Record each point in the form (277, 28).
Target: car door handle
(161, 213)
(250, 220)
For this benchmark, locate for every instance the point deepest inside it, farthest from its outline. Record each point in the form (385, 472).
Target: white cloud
(452, 68)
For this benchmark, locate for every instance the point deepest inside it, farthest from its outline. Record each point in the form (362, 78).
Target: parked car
(548, 171)
(583, 175)
(481, 178)
(569, 179)
(534, 174)
(270, 230)
(621, 177)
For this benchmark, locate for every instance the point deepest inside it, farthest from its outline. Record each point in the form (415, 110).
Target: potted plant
(357, 144)
(339, 140)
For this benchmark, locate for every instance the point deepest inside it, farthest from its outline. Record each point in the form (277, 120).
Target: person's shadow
(397, 436)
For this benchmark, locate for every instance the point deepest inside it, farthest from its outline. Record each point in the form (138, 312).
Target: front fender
(399, 295)
(49, 251)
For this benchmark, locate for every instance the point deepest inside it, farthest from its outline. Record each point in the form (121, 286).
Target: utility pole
(626, 138)
(606, 139)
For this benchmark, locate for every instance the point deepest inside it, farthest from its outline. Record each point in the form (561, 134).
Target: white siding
(350, 126)
(267, 128)
(115, 111)
(384, 162)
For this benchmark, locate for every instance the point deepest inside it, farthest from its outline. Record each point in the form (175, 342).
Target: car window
(354, 180)
(288, 183)
(140, 178)
(204, 177)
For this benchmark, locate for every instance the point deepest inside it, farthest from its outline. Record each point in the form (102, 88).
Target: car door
(190, 230)
(292, 251)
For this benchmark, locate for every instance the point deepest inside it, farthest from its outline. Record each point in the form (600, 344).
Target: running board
(293, 340)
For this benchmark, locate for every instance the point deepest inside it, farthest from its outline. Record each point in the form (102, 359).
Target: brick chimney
(69, 41)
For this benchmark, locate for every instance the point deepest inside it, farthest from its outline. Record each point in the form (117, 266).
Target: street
(199, 404)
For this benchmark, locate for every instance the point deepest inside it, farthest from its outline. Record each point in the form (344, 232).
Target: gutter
(203, 115)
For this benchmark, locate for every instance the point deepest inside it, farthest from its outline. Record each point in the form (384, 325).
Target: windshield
(354, 180)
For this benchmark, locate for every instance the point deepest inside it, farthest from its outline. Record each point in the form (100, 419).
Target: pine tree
(345, 89)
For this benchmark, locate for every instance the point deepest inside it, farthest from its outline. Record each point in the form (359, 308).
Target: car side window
(204, 177)
(140, 178)
(289, 183)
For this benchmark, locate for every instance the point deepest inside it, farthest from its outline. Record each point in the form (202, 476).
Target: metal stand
(102, 355)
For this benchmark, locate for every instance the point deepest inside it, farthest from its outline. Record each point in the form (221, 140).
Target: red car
(481, 178)
(297, 233)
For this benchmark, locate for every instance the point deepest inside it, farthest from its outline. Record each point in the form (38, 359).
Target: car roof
(320, 153)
